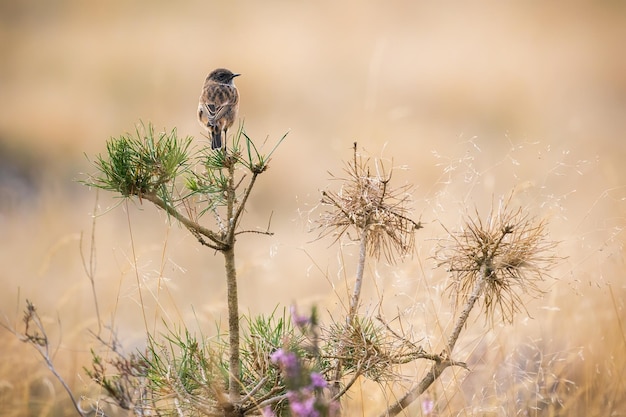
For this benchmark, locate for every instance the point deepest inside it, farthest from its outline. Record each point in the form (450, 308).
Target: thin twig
(90, 267)
(38, 338)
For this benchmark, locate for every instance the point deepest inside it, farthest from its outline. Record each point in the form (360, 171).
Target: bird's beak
(236, 75)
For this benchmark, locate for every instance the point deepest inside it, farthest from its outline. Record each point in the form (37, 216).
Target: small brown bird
(219, 104)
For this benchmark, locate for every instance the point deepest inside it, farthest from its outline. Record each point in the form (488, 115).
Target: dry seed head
(367, 203)
(509, 251)
(370, 348)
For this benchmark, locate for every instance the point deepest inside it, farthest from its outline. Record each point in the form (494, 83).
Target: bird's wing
(214, 111)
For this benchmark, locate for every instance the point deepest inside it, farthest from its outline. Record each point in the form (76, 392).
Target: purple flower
(318, 381)
(304, 408)
(287, 361)
(428, 406)
(299, 320)
(283, 358)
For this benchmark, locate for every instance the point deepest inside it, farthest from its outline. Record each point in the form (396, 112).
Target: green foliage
(185, 371)
(257, 162)
(149, 166)
(143, 163)
(262, 336)
(211, 185)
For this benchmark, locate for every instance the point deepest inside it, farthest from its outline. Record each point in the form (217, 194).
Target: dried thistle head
(509, 253)
(365, 349)
(367, 203)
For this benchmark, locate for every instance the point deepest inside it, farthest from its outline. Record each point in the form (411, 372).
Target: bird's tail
(216, 140)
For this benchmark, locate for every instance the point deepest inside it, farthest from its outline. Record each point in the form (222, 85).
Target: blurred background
(468, 102)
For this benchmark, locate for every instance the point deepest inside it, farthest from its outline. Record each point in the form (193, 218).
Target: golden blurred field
(469, 102)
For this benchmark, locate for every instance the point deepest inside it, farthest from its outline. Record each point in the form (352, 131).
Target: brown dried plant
(377, 212)
(509, 252)
(372, 349)
(35, 334)
(490, 261)
(368, 203)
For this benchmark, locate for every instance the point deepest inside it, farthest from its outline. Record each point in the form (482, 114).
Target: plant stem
(431, 376)
(189, 224)
(360, 268)
(233, 326)
(476, 292)
(439, 366)
(354, 305)
(231, 283)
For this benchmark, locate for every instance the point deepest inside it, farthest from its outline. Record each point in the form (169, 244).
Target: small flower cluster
(428, 407)
(301, 321)
(305, 388)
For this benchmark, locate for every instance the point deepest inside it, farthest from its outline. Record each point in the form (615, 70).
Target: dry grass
(476, 101)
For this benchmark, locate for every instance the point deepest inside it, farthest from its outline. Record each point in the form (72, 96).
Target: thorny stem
(441, 364)
(431, 376)
(478, 289)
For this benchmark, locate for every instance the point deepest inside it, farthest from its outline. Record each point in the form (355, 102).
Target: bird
(219, 104)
